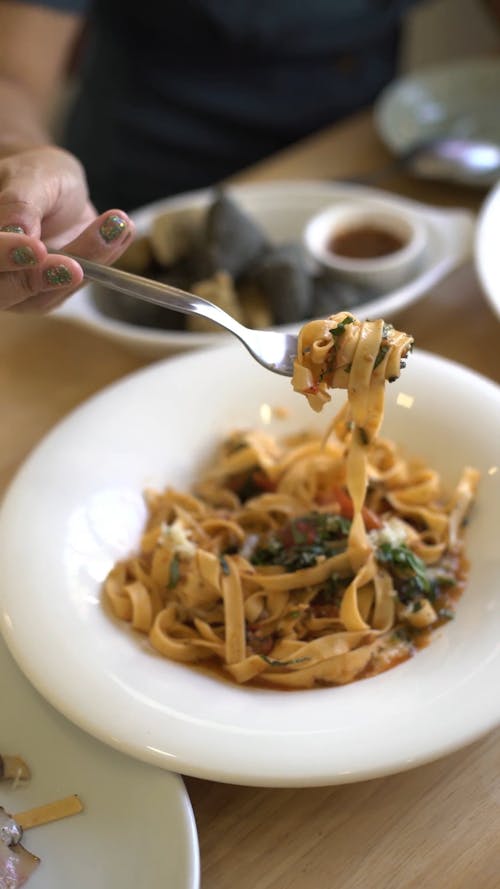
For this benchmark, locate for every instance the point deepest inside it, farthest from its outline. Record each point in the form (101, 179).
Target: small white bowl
(378, 272)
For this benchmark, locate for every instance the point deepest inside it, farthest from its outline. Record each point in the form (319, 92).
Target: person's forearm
(35, 45)
(21, 122)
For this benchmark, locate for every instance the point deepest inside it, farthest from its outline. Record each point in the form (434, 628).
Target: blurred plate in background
(137, 826)
(460, 100)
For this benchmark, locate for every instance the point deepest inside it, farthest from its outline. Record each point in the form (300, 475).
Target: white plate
(461, 99)
(137, 827)
(487, 254)
(76, 506)
(283, 209)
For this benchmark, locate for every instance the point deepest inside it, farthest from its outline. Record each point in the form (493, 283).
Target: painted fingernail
(58, 274)
(15, 229)
(112, 227)
(23, 256)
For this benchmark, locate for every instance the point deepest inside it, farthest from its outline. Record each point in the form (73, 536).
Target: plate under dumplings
(282, 210)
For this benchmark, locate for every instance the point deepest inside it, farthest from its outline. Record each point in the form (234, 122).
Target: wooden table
(436, 827)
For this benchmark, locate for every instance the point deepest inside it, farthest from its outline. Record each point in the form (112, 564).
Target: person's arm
(35, 47)
(43, 190)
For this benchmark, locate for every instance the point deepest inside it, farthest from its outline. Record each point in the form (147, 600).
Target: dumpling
(284, 276)
(220, 291)
(230, 240)
(174, 233)
(332, 294)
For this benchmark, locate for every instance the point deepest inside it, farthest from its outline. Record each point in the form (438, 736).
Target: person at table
(172, 96)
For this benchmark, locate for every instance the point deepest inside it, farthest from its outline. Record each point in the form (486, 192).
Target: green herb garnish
(300, 543)
(402, 634)
(341, 326)
(401, 556)
(332, 590)
(445, 580)
(409, 572)
(275, 663)
(174, 574)
(382, 352)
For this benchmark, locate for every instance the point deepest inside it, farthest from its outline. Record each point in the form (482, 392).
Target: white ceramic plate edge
(486, 249)
(64, 760)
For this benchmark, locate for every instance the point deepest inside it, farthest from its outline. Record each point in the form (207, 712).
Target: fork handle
(155, 292)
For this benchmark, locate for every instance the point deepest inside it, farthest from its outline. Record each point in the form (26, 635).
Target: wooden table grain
(435, 827)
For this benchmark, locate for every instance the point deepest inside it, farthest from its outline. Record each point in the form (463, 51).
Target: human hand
(44, 206)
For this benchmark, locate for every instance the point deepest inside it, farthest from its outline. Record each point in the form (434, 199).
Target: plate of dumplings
(242, 247)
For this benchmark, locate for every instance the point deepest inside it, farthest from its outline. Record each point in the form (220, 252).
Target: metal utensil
(462, 160)
(273, 350)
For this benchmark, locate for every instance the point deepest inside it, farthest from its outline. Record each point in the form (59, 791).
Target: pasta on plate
(308, 561)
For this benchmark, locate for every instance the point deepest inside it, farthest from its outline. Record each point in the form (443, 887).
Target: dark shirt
(178, 94)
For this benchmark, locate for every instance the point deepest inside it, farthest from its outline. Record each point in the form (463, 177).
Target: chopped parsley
(403, 634)
(401, 557)
(341, 326)
(413, 580)
(445, 580)
(299, 543)
(382, 352)
(174, 574)
(332, 591)
(409, 572)
(275, 663)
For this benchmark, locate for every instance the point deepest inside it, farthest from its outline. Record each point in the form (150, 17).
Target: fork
(273, 350)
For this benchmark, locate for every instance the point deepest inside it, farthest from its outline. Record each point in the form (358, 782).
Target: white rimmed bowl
(379, 272)
(76, 507)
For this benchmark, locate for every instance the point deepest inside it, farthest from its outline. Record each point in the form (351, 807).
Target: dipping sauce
(365, 242)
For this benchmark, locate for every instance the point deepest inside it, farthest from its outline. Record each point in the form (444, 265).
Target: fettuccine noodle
(314, 560)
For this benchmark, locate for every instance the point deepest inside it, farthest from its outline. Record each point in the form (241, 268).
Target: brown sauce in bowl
(365, 242)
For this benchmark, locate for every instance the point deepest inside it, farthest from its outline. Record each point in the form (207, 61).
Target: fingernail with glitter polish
(112, 227)
(58, 274)
(23, 256)
(14, 229)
